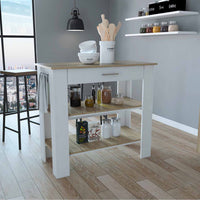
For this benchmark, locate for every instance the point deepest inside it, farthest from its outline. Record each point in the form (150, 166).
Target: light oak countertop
(58, 66)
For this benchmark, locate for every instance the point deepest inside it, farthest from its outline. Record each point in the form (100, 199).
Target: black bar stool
(17, 74)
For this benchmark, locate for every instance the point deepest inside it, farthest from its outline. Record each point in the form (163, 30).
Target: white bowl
(88, 58)
(88, 46)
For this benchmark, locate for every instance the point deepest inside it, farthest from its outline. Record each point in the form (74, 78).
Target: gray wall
(54, 43)
(177, 78)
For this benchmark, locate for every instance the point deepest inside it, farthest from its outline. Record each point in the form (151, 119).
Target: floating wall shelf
(161, 34)
(164, 15)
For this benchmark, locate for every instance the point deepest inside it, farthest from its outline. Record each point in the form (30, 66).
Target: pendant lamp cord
(75, 4)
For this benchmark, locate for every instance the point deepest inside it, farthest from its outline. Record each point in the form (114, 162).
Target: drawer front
(94, 75)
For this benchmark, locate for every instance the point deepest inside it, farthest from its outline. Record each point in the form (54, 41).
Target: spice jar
(140, 12)
(75, 96)
(106, 129)
(173, 26)
(106, 95)
(116, 127)
(143, 28)
(89, 102)
(156, 27)
(149, 28)
(164, 27)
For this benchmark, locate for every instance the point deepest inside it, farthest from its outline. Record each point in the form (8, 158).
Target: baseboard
(171, 123)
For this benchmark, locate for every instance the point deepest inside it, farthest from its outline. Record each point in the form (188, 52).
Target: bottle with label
(99, 95)
(93, 93)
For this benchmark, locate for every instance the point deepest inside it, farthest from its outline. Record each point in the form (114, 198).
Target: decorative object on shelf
(164, 27)
(94, 132)
(173, 26)
(149, 28)
(175, 5)
(163, 6)
(81, 132)
(153, 8)
(88, 52)
(156, 27)
(89, 102)
(75, 96)
(108, 33)
(118, 100)
(143, 28)
(116, 127)
(106, 128)
(75, 23)
(99, 94)
(106, 94)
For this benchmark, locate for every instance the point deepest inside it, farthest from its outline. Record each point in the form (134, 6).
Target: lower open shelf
(128, 136)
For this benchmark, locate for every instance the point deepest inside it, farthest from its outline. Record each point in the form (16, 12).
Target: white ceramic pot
(107, 52)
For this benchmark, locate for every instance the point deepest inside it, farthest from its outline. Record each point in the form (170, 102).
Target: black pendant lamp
(75, 23)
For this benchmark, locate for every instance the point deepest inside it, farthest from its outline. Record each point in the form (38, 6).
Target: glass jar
(89, 102)
(106, 128)
(75, 96)
(173, 26)
(156, 27)
(106, 95)
(116, 127)
(143, 28)
(147, 11)
(94, 132)
(149, 28)
(140, 12)
(164, 27)
(118, 100)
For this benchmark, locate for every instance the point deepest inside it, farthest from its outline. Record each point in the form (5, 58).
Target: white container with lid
(107, 52)
(173, 26)
(106, 129)
(116, 127)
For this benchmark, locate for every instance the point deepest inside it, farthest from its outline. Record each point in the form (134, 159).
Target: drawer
(94, 75)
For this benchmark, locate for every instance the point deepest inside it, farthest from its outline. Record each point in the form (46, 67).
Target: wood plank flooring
(173, 171)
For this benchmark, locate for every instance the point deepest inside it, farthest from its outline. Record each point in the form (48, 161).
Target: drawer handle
(111, 74)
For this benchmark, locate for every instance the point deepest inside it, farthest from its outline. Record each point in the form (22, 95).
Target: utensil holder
(107, 52)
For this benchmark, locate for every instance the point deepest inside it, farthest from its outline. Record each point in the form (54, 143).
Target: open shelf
(161, 34)
(164, 15)
(128, 136)
(103, 109)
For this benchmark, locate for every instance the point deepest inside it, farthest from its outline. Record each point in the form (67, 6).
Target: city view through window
(17, 49)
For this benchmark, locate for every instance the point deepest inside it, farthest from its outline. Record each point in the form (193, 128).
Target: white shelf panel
(164, 15)
(161, 34)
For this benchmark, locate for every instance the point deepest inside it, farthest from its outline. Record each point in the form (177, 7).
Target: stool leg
(4, 107)
(18, 113)
(27, 105)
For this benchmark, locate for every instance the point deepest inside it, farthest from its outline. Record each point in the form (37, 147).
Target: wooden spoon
(117, 29)
(112, 29)
(105, 22)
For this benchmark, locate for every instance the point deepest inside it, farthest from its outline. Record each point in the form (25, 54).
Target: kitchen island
(55, 138)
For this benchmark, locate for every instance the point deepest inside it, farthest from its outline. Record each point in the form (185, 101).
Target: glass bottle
(89, 102)
(93, 93)
(99, 95)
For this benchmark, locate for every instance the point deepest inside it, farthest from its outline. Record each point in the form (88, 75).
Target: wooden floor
(173, 171)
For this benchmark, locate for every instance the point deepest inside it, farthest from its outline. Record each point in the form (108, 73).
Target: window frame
(2, 36)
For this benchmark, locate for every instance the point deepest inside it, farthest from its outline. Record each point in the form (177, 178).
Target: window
(17, 48)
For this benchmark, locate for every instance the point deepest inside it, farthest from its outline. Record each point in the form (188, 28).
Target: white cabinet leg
(59, 123)
(147, 107)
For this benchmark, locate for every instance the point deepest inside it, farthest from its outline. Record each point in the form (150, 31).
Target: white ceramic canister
(116, 127)
(106, 129)
(107, 52)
